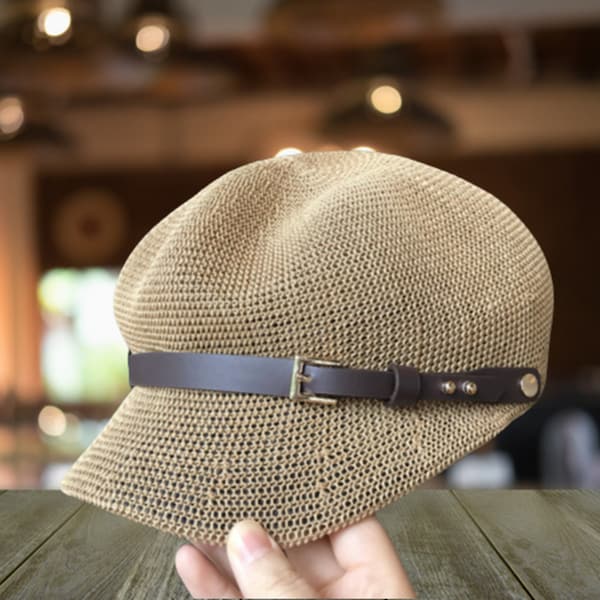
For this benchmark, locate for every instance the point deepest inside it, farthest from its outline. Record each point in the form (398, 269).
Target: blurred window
(84, 357)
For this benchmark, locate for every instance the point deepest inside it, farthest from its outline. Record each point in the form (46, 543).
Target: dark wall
(556, 196)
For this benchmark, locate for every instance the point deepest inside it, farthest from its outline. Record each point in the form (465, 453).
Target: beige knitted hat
(431, 301)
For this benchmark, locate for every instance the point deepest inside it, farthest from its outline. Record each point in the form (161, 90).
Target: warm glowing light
(289, 151)
(54, 22)
(364, 149)
(385, 99)
(52, 421)
(152, 37)
(12, 115)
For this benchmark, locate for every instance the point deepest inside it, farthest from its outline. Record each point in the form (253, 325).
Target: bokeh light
(289, 151)
(385, 99)
(52, 421)
(152, 37)
(12, 115)
(54, 22)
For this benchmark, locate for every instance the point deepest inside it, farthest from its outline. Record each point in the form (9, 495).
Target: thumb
(260, 567)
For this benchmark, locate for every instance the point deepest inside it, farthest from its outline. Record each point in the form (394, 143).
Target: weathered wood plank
(445, 554)
(27, 520)
(550, 538)
(154, 574)
(90, 556)
(470, 544)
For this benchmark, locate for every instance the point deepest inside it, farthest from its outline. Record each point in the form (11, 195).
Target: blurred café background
(114, 112)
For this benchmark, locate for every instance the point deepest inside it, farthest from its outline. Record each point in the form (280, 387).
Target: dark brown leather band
(304, 379)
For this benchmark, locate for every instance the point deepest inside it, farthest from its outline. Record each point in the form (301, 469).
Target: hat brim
(193, 463)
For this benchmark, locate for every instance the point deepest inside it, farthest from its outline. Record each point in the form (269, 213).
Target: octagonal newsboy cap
(310, 338)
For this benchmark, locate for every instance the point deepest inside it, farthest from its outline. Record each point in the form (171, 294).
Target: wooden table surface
(454, 544)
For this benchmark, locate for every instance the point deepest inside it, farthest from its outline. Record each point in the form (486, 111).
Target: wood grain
(154, 574)
(91, 556)
(550, 539)
(27, 520)
(445, 554)
(468, 544)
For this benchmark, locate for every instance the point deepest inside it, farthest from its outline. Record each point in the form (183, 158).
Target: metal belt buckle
(298, 378)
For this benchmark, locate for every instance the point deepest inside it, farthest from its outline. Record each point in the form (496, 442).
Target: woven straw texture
(364, 258)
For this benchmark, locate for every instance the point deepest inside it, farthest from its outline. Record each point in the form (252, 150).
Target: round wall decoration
(89, 227)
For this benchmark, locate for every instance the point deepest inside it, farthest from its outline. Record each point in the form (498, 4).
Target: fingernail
(250, 541)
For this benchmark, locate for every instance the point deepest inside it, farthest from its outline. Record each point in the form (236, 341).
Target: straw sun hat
(429, 299)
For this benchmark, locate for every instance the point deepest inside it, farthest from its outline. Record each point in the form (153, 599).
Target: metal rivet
(469, 387)
(529, 385)
(448, 387)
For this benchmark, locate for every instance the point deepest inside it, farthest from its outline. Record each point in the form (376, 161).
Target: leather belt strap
(320, 381)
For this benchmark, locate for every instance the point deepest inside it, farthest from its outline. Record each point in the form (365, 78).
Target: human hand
(356, 562)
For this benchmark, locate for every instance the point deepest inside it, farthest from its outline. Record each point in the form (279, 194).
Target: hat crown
(365, 258)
